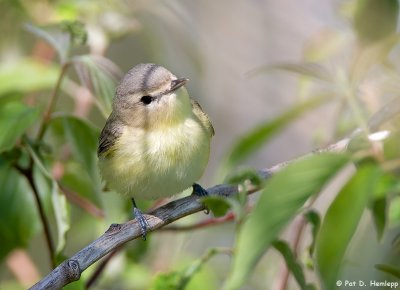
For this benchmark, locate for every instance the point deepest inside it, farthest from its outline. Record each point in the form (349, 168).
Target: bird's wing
(108, 136)
(205, 121)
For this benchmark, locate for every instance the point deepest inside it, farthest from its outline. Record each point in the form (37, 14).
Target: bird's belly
(157, 164)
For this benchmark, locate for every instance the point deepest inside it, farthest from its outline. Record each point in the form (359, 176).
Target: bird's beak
(176, 84)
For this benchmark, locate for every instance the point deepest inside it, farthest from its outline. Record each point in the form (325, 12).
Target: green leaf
(370, 12)
(389, 269)
(341, 221)
(283, 196)
(83, 139)
(81, 174)
(309, 69)
(256, 138)
(391, 146)
(76, 30)
(26, 75)
(75, 180)
(386, 185)
(166, 281)
(379, 208)
(179, 280)
(61, 212)
(15, 119)
(291, 262)
(394, 210)
(18, 214)
(313, 218)
(244, 175)
(44, 188)
(100, 75)
(218, 205)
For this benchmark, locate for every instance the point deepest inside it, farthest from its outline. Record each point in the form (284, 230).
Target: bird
(156, 141)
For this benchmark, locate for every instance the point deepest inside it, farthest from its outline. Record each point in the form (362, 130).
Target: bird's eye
(146, 99)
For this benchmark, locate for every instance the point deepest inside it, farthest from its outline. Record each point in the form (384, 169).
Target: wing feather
(203, 117)
(108, 136)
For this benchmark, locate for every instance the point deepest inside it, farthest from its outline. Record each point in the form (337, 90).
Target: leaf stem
(195, 267)
(53, 101)
(298, 228)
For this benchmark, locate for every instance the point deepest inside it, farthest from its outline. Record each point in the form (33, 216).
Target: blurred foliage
(352, 199)
(367, 16)
(183, 279)
(292, 263)
(17, 116)
(56, 88)
(27, 75)
(17, 226)
(260, 135)
(281, 200)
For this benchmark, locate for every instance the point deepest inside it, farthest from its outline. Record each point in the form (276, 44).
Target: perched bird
(156, 141)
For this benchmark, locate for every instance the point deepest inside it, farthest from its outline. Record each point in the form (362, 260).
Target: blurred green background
(251, 65)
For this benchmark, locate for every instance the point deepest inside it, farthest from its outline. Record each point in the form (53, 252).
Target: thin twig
(283, 278)
(96, 274)
(229, 217)
(28, 173)
(298, 229)
(82, 202)
(196, 266)
(206, 223)
(53, 101)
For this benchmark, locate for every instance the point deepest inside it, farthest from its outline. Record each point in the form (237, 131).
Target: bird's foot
(140, 218)
(201, 192)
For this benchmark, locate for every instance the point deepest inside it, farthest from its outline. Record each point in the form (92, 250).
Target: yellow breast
(157, 163)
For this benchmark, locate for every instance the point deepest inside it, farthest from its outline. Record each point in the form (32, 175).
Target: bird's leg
(199, 190)
(144, 225)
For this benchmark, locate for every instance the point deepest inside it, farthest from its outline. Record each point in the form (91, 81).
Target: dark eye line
(147, 99)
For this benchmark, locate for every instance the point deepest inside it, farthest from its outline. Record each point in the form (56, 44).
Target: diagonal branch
(118, 234)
